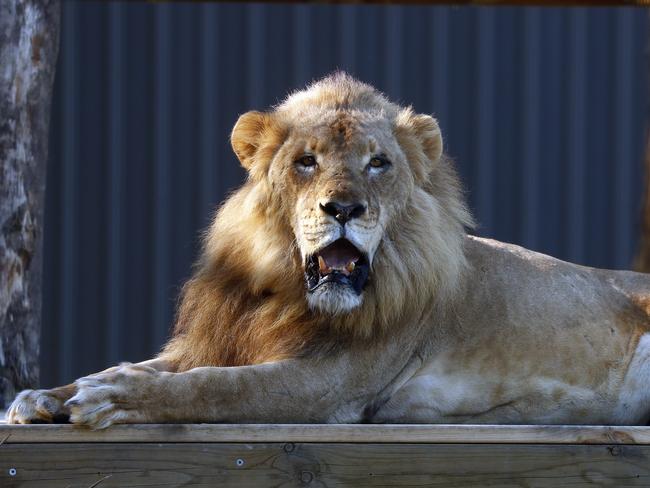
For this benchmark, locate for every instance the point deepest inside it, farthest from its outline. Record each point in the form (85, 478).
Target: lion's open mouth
(339, 263)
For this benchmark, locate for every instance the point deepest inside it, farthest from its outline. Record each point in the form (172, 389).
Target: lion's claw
(37, 407)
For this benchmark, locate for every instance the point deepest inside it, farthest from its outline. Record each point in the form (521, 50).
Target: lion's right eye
(306, 162)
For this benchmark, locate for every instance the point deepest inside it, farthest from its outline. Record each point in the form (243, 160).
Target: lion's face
(343, 173)
(344, 177)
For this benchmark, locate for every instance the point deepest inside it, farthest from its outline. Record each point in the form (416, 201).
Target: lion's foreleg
(293, 391)
(335, 389)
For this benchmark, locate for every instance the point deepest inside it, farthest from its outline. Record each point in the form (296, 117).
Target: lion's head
(351, 223)
(371, 208)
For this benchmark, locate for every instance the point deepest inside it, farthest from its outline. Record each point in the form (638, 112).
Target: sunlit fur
(247, 302)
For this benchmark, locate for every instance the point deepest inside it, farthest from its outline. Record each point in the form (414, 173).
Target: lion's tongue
(340, 256)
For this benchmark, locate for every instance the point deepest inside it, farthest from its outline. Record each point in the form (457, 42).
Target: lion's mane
(246, 302)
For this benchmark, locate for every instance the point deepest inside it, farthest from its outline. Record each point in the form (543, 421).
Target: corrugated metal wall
(544, 110)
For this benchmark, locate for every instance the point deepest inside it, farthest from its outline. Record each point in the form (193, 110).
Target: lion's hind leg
(633, 405)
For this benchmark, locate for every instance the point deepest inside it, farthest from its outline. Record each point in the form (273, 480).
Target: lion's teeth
(322, 265)
(350, 267)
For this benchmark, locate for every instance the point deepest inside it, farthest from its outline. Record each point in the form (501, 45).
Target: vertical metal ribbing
(208, 89)
(552, 102)
(348, 25)
(531, 149)
(255, 59)
(301, 44)
(623, 145)
(439, 62)
(162, 190)
(393, 51)
(575, 155)
(484, 149)
(70, 225)
(116, 158)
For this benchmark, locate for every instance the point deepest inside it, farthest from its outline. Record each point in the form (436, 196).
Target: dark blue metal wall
(543, 109)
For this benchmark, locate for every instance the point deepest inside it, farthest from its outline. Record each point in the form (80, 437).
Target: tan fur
(449, 328)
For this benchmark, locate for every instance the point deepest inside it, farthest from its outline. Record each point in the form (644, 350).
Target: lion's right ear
(247, 135)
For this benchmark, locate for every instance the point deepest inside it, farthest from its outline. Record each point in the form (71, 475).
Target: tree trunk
(29, 39)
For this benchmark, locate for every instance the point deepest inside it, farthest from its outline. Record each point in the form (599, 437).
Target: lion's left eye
(307, 161)
(378, 163)
(306, 164)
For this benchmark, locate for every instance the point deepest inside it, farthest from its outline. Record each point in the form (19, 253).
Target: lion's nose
(343, 213)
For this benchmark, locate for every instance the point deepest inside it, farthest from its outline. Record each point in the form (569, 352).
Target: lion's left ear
(247, 136)
(426, 132)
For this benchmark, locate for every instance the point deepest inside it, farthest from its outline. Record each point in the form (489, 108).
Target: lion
(339, 285)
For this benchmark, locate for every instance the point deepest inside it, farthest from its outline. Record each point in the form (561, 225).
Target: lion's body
(339, 285)
(531, 339)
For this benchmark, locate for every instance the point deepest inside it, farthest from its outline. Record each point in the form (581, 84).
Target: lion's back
(534, 288)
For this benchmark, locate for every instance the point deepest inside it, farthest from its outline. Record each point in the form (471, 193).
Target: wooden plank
(257, 465)
(364, 433)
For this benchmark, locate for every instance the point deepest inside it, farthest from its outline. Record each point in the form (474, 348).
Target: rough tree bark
(29, 39)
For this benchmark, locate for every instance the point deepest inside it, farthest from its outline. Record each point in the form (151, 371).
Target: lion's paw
(114, 396)
(37, 407)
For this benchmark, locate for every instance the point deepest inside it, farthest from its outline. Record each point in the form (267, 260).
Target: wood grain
(364, 433)
(321, 465)
(339, 455)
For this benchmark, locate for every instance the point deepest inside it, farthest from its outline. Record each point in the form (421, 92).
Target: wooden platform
(218, 455)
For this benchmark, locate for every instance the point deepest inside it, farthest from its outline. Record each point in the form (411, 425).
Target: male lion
(338, 285)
